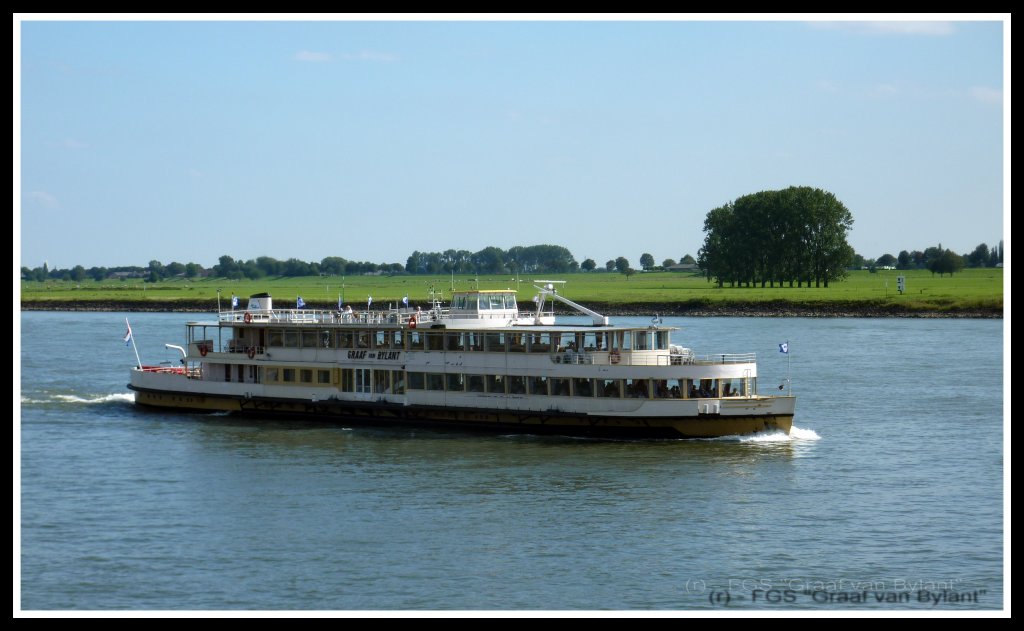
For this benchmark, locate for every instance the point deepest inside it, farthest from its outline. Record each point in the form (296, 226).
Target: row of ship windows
(365, 380)
(414, 340)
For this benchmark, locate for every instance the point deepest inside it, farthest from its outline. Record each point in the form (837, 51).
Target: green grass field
(967, 290)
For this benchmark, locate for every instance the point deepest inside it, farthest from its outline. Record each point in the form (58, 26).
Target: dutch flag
(299, 303)
(405, 300)
(128, 335)
(234, 302)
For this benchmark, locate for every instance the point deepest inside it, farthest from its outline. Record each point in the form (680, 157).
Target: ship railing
(572, 358)
(628, 358)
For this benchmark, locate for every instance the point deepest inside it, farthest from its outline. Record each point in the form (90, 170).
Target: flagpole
(131, 336)
(789, 364)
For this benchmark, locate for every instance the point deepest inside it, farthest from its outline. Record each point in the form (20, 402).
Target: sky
(183, 141)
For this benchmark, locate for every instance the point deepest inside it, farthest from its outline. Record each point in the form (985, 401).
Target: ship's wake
(117, 397)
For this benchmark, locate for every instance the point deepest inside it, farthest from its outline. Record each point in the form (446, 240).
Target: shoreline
(769, 309)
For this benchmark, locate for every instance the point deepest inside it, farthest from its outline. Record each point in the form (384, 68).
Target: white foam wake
(125, 397)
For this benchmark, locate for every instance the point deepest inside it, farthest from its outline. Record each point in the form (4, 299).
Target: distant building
(682, 267)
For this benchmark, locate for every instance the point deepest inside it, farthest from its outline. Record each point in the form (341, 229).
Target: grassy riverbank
(971, 293)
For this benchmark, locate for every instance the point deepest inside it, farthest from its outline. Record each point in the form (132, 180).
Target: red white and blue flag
(128, 335)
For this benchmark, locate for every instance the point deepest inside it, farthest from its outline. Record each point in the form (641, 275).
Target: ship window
(559, 387)
(348, 383)
(708, 388)
(276, 338)
(396, 339)
(416, 380)
(539, 385)
(363, 383)
(474, 341)
(608, 388)
(454, 342)
(494, 342)
(382, 381)
(455, 383)
(288, 375)
(415, 341)
(540, 343)
(668, 388)
(582, 388)
(516, 343)
(471, 303)
(306, 375)
(475, 383)
(640, 341)
(510, 301)
(346, 339)
(732, 387)
(291, 339)
(496, 384)
(485, 304)
(496, 301)
(309, 339)
(637, 389)
(435, 381)
(397, 382)
(326, 339)
(271, 375)
(661, 340)
(362, 339)
(382, 340)
(517, 384)
(435, 341)
(323, 376)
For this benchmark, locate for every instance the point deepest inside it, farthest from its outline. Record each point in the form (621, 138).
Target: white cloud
(920, 27)
(41, 199)
(369, 55)
(986, 94)
(311, 56)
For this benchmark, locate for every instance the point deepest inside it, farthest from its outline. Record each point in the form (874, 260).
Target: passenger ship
(479, 363)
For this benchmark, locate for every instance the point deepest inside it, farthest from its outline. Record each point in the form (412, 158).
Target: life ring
(252, 352)
(613, 357)
(412, 322)
(203, 350)
(247, 317)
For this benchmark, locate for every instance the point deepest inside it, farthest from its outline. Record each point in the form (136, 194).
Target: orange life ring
(247, 317)
(252, 352)
(613, 357)
(203, 350)
(412, 322)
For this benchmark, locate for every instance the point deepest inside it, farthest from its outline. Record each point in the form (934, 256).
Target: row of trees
(796, 235)
(981, 256)
(492, 260)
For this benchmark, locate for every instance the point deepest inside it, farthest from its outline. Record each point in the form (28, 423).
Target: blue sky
(182, 141)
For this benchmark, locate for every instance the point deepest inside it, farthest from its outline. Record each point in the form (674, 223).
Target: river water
(888, 495)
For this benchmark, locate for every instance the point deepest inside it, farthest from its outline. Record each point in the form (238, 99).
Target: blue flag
(405, 300)
(784, 348)
(369, 301)
(299, 303)
(234, 302)
(339, 303)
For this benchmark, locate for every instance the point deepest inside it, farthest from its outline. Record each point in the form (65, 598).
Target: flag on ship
(299, 303)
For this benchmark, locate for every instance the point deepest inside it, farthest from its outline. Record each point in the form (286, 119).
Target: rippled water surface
(887, 495)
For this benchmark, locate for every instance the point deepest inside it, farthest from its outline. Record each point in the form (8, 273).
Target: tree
(688, 260)
(946, 263)
(621, 264)
(667, 263)
(979, 257)
(903, 261)
(886, 260)
(78, 273)
(646, 261)
(609, 266)
(629, 271)
(588, 265)
(192, 270)
(795, 235)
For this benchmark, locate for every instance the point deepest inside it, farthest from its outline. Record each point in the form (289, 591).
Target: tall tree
(646, 261)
